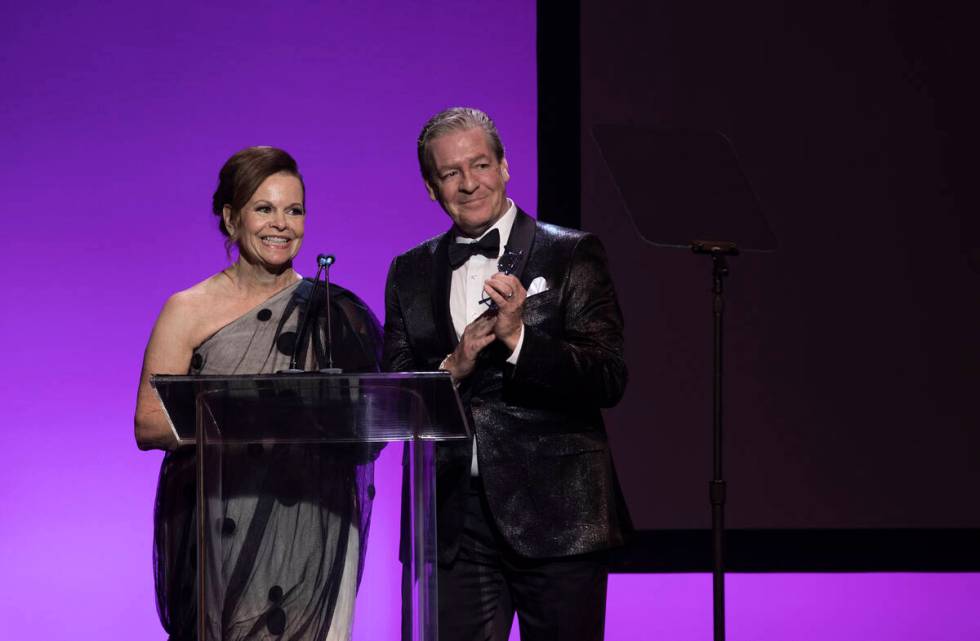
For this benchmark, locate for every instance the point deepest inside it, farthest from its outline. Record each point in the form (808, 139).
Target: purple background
(113, 124)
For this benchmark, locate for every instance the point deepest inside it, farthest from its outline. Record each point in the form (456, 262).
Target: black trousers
(555, 599)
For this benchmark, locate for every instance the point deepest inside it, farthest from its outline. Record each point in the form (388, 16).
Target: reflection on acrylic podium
(260, 438)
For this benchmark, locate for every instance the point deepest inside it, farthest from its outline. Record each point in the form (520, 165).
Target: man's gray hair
(455, 119)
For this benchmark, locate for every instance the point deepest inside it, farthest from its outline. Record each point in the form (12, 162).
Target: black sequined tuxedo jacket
(541, 445)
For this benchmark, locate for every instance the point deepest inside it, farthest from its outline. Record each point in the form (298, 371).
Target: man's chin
(473, 230)
(475, 223)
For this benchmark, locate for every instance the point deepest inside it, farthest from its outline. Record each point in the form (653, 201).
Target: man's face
(469, 182)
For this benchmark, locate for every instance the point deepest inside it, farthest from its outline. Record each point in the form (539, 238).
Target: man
(526, 509)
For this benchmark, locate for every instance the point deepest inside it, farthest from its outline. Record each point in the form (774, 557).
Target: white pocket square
(538, 285)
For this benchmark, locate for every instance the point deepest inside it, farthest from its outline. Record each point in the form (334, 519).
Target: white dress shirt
(466, 289)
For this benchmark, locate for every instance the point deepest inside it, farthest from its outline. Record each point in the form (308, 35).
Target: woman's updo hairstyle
(242, 175)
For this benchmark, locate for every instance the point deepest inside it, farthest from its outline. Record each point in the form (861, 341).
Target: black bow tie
(488, 246)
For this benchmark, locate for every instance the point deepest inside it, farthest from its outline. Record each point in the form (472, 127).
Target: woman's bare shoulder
(191, 311)
(203, 296)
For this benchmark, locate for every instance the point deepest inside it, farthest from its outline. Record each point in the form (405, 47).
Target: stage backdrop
(851, 350)
(115, 119)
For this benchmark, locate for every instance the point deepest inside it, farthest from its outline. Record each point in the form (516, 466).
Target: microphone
(325, 261)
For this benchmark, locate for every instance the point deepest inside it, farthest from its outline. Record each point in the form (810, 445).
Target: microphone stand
(325, 262)
(718, 250)
(697, 183)
(301, 330)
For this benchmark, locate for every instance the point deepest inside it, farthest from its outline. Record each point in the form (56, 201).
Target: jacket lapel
(442, 279)
(521, 239)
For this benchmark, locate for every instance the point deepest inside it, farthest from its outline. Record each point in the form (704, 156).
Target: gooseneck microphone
(325, 261)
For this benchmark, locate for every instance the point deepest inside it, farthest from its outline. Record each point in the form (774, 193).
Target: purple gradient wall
(114, 122)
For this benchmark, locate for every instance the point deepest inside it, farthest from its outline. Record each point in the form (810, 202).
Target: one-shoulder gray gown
(293, 520)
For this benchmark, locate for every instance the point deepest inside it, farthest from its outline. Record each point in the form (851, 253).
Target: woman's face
(270, 227)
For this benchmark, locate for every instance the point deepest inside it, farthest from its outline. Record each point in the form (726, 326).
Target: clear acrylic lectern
(347, 418)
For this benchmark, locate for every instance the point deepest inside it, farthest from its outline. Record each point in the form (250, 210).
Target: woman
(294, 520)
